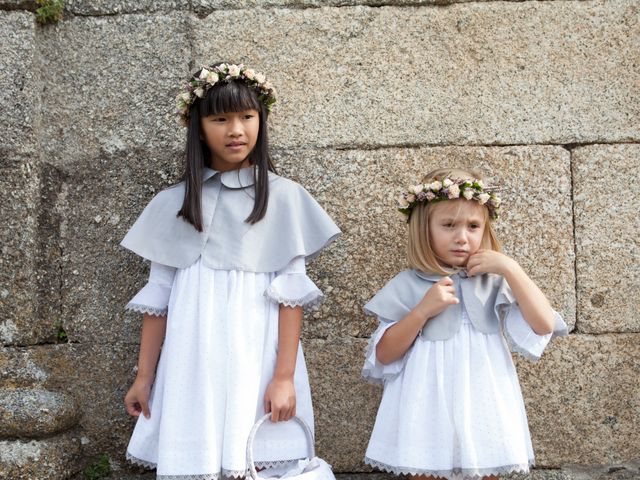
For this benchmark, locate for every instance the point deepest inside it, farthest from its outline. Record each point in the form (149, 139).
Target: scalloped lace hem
(212, 476)
(373, 374)
(454, 473)
(310, 300)
(137, 307)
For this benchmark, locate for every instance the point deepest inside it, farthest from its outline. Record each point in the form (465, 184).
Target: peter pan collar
(434, 277)
(240, 178)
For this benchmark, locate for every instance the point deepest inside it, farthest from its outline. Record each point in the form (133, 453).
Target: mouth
(459, 253)
(236, 144)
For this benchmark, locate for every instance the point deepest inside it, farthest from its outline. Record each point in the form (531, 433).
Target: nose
(235, 127)
(461, 236)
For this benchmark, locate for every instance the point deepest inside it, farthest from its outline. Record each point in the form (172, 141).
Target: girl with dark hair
(227, 247)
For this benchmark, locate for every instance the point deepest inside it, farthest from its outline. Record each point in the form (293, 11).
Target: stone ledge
(35, 413)
(53, 458)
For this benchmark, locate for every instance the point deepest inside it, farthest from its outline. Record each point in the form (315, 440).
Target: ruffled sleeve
(293, 288)
(373, 370)
(521, 338)
(154, 296)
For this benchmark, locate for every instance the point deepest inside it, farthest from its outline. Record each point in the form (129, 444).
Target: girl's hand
(137, 398)
(280, 400)
(489, 261)
(438, 297)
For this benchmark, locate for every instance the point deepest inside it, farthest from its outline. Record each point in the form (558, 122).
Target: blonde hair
(420, 254)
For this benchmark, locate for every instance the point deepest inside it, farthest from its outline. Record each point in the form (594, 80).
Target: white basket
(313, 469)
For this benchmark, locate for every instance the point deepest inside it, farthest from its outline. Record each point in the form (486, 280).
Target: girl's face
(230, 137)
(456, 228)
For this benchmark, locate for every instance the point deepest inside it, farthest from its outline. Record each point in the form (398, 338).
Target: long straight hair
(225, 97)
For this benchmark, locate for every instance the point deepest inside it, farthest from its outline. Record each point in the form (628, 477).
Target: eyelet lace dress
(217, 359)
(453, 408)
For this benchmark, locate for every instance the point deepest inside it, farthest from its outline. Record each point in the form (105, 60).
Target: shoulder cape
(294, 225)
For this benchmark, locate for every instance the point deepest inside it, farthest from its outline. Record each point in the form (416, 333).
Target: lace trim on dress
(140, 462)
(212, 476)
(136, 307)
(310, 300)
(455, 473)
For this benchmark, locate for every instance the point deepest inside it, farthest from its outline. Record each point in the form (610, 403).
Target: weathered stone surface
(109, 7)
(344, 405)
(19, 95)
(18, 5)
(110, 85)
(53, 458)
(35, 412)
(404, 76)
(583, 400)
(95, 376)
(19, 277)
(207, 6)
(103, 198)
(607, 226)
(18, 369)
(359, 190)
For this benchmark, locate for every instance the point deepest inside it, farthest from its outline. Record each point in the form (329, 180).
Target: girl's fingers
(445, 281)
(144, 406)
(267, 405)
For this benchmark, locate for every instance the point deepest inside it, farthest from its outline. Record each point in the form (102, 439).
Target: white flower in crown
(446, 183)
(260, 78)
(435, 186)
(234, 70)
(267, 86)
(483, 197)
(411, 198)
(204, 73)
(186, 97)
(402, 202)
(430, 195)
(212, 78)
(468, 193)
(250, 73)
(454, 191)
(415, 188)
(199, 92)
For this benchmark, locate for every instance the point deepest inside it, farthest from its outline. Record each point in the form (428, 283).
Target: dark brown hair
(232, 96)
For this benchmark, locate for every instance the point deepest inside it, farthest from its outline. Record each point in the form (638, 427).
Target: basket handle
(252, 435)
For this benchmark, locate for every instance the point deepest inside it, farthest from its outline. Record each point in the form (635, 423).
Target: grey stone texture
(110, 7)
(19, 95)
(606, 203)
(19, 193)
(35, 412)
(478, 73)
(583, 401)
(110, 86)
(47, 459)
(359, 190)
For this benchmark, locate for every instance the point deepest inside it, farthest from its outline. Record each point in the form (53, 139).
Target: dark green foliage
(98, 469)
(49, 11)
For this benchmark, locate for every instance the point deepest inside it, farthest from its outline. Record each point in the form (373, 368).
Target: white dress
(218, 357)
(453, 408)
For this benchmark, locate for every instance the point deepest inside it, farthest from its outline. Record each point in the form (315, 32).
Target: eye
(248, 116)
(447, 224)
(474, 226)
(218, 119)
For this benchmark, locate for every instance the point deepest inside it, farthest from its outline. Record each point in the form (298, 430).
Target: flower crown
(225, 72)
(449, 189)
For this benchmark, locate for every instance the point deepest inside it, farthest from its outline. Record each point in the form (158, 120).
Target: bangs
(229, 97)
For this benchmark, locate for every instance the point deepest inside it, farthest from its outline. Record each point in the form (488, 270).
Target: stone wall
(544, 97)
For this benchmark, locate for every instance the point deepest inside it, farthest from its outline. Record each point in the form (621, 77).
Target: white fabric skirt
(452, 409)
(218, 357)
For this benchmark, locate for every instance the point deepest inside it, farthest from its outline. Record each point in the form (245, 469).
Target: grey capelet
(486, 299)
(294, 225)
